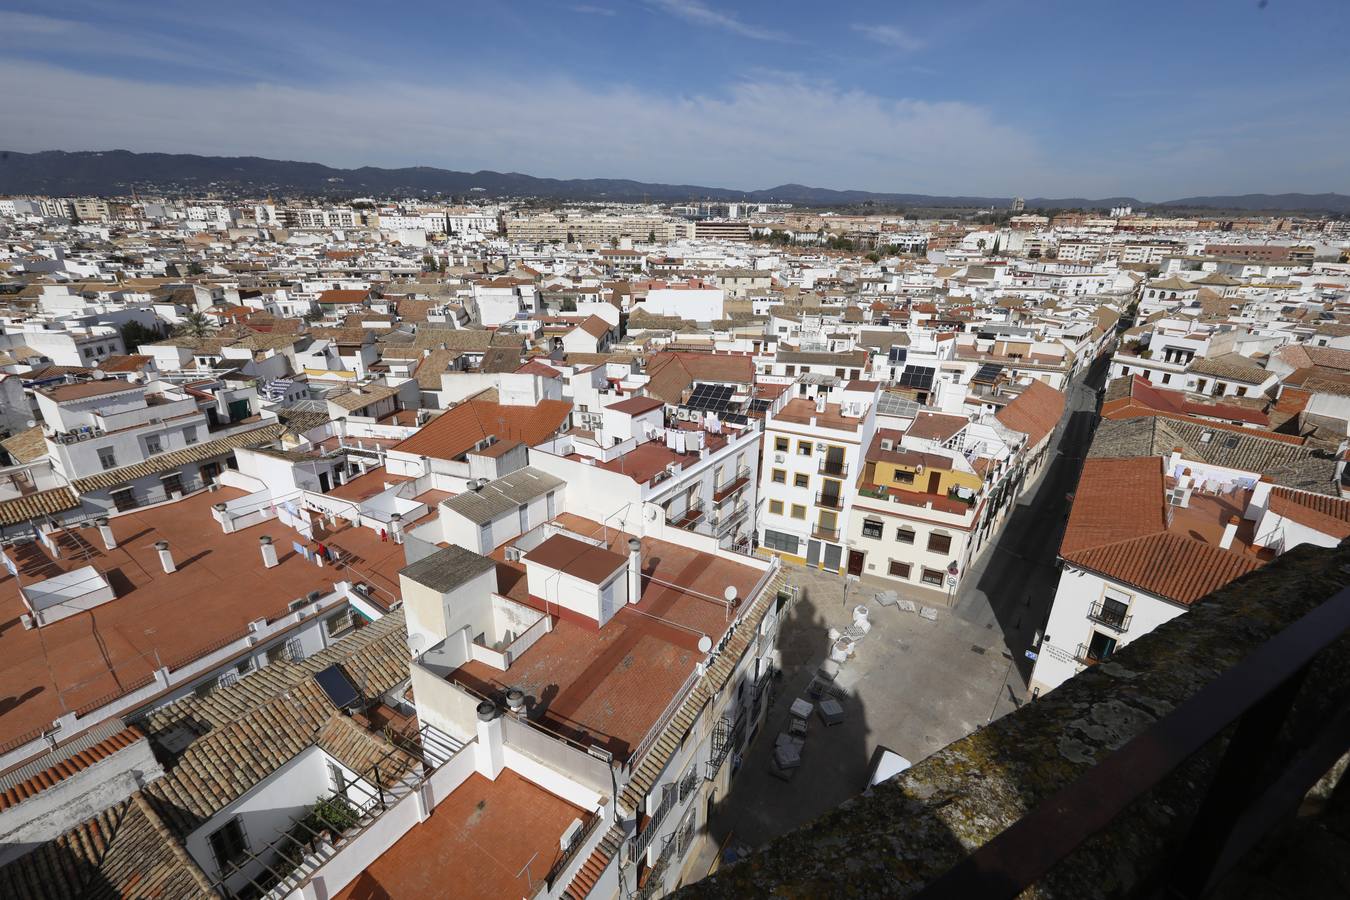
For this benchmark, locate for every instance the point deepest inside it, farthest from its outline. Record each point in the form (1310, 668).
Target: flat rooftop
(156, 619)
(801, 410)
(607, 686)
(646, 459)
(475, 845)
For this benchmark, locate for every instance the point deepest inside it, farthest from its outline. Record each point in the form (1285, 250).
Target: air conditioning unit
(513, 554)
(779, 458)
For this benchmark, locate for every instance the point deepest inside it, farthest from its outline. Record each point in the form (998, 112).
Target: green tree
(195, 325)
(651, 236)
(134, 334)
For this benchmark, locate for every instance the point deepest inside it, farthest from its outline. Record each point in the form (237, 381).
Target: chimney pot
(106, 532)
(269, 551)
(165, 557)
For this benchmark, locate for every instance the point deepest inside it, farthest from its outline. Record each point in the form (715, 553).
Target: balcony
(691, 517)
(829, 500)
(727, 488)
(725, 737)
(1112, 619)
(1086, 656)
(825, 534)
(833, 468)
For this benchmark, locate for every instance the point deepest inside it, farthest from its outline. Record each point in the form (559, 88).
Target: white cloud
(699, 13)
(889, 36)
(754, 134)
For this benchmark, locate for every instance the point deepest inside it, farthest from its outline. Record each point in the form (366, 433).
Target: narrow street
(1014, 582)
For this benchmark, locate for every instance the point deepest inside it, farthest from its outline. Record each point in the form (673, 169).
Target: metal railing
(656, 878)
(725, 736)
(1252, 791)
(1089, 657)
(832, 468)
(566, 856)
(1110, 618)
(825, 534)
(733, 484)
(643, 839)
(830, 500)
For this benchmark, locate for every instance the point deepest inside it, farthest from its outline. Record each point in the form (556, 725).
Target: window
(1113, 611)
(871, 528)
(780, 444)
(152, 445)
(779, 476)
(229, 846)
(899, 569)
(904, 534)
(107, 458)
(939, 543)
(932, 576)
(1200, 385)
(337, 778)
(777, 540)
(801, 481)
(190, 436)
(123, 499)
(1100, 648)
(903, 477)
(803, 448)
(1241, 391)
(776, 507)
(339, 623)
(798, 511)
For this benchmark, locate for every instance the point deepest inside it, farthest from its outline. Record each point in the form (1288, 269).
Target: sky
(1033, 98)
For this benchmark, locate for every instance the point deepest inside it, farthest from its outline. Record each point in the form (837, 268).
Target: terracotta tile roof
(362, 397)
(1232, 366)
(176, 458)
(1035, 412)
(124, 851)
(341, 297)
(1329, 515)
(457, 430)
(432, 366)
(1168, 565)
(27, 445)
(577, 558)
(33, 506)
(595, 865)
(1136, 395)
(1116, 500)
(595, 326)
(62, 770)
(931, 426)
(84, 389)
(132, 363)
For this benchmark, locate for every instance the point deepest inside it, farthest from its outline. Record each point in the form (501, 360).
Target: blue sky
(1034, 97)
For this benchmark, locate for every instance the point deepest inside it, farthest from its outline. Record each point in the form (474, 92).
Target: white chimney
(1229, 532)
(488, 757)
(269, 551)
(105, 531)
(165, 557)
(634, 570)
(396, 527)
(820, 403)
(515, 702)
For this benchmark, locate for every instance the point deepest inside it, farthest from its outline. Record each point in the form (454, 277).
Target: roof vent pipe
(634, 570)
(269, 551)
(165, 557)
(106, 532)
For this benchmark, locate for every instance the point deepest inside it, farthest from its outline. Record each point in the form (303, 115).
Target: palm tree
(195, 325)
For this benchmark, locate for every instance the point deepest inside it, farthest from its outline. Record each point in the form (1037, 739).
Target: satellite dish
(99, 374)
(704, 643)
(730, 593)
(32, 423)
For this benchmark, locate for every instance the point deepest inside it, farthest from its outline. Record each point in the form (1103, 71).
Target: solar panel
(896, 405)
(899, 354)
(757, 406)
(338, 687)
(710, 397)
(735, 419)
(988, 373)
(920, 377)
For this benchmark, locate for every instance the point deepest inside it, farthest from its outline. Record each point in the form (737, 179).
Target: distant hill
(117, 172)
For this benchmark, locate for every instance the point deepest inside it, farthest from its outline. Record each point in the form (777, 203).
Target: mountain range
(118, 172)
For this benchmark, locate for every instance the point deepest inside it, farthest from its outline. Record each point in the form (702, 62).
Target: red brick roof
(1329, 515)
(68, 767)
(1035, 412)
